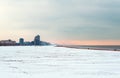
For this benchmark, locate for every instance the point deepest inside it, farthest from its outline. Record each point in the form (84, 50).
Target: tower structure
(21, 41)
(37, 40)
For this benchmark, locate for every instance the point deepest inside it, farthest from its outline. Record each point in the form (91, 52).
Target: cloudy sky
(83, 22)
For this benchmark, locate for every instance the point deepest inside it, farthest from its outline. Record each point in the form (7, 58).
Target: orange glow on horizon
(89, 42)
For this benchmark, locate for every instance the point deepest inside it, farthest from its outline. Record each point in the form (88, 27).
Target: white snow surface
(58, 62)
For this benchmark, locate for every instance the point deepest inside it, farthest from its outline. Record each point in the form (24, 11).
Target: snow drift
(57, 62)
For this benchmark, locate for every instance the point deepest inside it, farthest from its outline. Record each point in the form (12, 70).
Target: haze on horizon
(84, 22)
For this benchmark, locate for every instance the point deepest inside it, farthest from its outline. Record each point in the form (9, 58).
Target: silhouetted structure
(43, 43)
(21, 41)
(32, 42)
(37, 40)
(7, 43)
(27, 43)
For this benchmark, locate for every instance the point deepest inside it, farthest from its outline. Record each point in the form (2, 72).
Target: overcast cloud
(62, 19)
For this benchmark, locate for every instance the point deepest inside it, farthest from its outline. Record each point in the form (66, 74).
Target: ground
(58, 62)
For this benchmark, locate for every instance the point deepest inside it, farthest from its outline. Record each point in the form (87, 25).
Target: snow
(58, 62)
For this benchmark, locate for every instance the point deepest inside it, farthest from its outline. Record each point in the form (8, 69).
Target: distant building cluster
(7, 42)
(21, 42)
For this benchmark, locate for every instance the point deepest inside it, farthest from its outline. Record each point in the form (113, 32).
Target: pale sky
(61, 21)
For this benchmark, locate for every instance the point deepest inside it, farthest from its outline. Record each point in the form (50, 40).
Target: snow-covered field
(58, 62)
